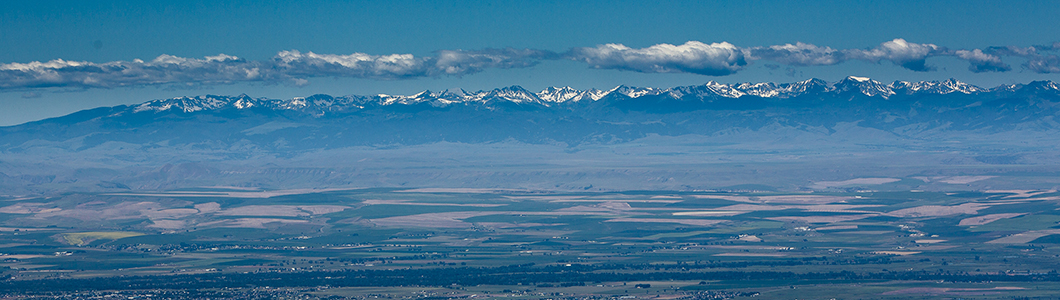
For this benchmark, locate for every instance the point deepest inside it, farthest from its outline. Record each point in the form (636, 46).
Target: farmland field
(536, 244)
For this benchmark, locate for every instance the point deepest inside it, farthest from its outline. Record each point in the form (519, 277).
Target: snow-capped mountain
(635, 92)
(564, 94)
(864, 86)
(812, 115)
(920, 110)
(324, 104)
(199, 103)
(935, 87)
(514, 94)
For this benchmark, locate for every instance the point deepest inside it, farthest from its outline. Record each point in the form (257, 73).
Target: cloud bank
(1037, 60)
(295, 67)
(286, 67)
(982, 62)
(911, 56)
(799, 54)
(717, 59)
(165, 69)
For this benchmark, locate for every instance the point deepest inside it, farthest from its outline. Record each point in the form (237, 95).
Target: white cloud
(292, 67)
(799, 54)
(982, 62)
(309, 64)
(295, 67)
(1044, 64)
(398, 66)
(1036, 61)
(908, 55)
(715, 59)
(163, 69)
(460, 62)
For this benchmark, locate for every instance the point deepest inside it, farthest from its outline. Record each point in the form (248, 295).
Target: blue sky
(567, 38)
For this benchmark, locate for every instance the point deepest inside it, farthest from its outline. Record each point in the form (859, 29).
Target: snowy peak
(199, 103)
(863, 85)
(560, 95)
(594, 94)
(935, 87)
(552, 96)
(1033, 86)
(515, 93)
(1043, 85)
(569, 94)
(812, 85)
(424, 96)
(724, 90)
(635, 92)
(761, 89)
(706, 92)
(858, 79)
(458, 93)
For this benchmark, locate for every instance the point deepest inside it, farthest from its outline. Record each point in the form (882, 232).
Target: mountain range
(563, 115)
(147, 145)
(710, 92)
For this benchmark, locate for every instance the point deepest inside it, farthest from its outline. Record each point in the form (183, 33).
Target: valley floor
(471, 243)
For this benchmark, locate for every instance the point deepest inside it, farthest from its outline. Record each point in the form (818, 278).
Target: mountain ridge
(554, 96)
(621, 138)
(909, 110)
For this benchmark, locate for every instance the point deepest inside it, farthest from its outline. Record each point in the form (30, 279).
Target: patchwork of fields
(899, 244)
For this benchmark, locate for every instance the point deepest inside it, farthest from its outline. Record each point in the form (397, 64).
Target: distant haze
(807, 135)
